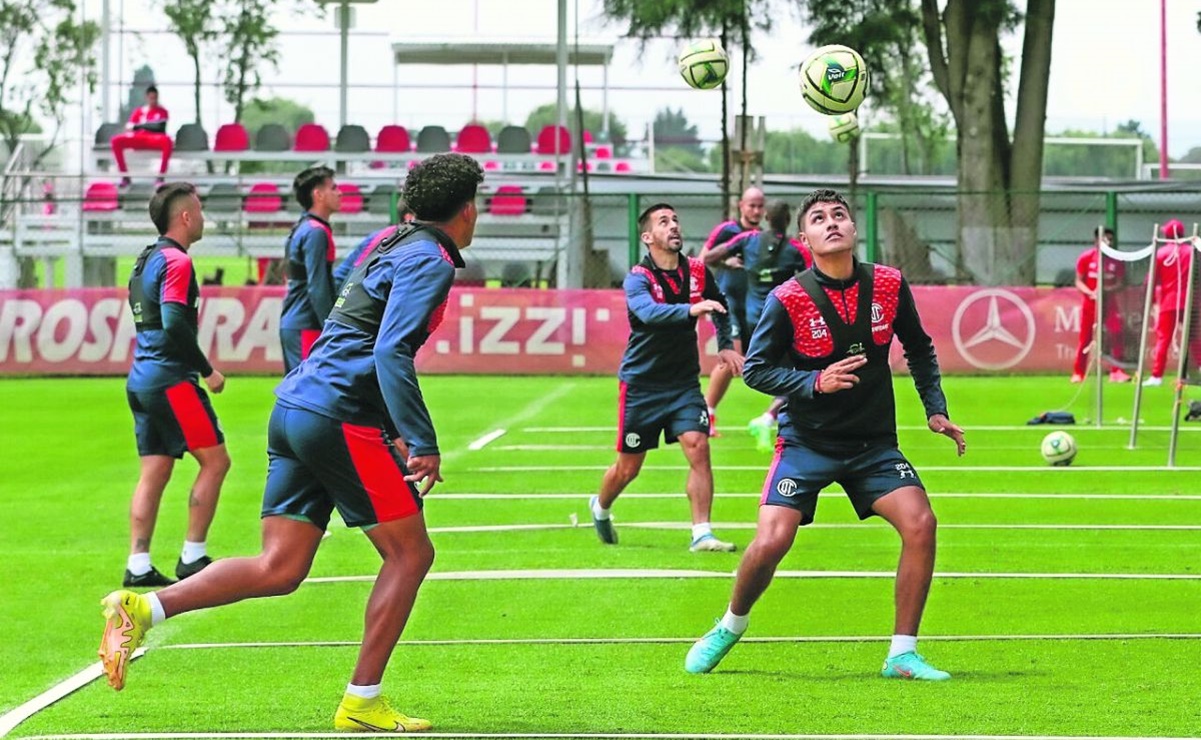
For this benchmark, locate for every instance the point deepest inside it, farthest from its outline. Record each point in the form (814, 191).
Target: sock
(599, 512)
(700, 530)
(139, 563)
(768, 417)
(735, 623)
(902, 644)
(363, 692)
(712, 412)
(192, 551)
(156, 609)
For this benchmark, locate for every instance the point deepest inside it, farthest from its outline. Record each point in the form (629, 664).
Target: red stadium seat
(264, 197)
(622, 167)
(393, 138)
(473, 139)
(101, 197)
(546, 166)
(231, 137)
(603, 152)
(491, 165)
(509, 200)
(352, 198)
(587, 136)
(311, 137)
(579, 167)
(549, 135)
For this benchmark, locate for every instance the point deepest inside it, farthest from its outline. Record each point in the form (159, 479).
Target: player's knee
(626, 471)
(282, 575)
(423, 557)
(921, 528)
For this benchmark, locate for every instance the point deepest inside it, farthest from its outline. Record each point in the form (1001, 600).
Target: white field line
(577, 574)
(831, 494)
(749, 443)
(16, 716)
(922, 468)
(1074, 429)
(534, 408)
(473, 528)
(483, 441)
(563, 736)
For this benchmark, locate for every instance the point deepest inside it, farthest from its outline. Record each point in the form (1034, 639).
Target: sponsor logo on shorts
(633, 439)
(905, 470)
(704, 418)
(786, 488)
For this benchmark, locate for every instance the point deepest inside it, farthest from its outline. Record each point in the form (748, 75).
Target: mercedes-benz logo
(994, 345)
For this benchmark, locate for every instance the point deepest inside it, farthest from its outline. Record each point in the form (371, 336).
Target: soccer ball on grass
(1059, 448)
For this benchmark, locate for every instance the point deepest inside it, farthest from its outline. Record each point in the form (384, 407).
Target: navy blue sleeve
(919, 353)
(183, 336)
(346, 266)
(315, 247)
(767, 366)
(721, 321)
(643, 305)
(420, 285)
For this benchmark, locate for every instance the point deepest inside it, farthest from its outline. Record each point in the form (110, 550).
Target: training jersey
(769, 258)
(344, 268)
(662, 349)
(724, 232)
(1172, 264)
(1086, 270)
(360, 370)
(309, 261)
(813, 320)
(151, 120)
(163, 274)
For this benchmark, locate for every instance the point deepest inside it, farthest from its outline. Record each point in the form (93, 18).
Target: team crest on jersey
(877, 313)
(786, 488)
(694, 286)
(633, 439)
(818, 328)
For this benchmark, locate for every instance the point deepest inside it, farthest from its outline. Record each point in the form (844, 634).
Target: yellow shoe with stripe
(126, 620)
(374, 715)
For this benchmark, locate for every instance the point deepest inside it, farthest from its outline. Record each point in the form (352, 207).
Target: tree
(193, 22)
(672, 129)
(42, 52)
(999, 177)
(797, 152)
(547, 115)
(248, 44)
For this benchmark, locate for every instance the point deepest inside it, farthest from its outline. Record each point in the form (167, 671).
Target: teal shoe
(710, 649)
(604, 527)
(763, 431)
(913, 666)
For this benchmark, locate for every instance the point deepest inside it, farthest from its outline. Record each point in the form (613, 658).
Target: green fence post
(394, 208)
(632, 237)
(1111, 210)
(873, 230)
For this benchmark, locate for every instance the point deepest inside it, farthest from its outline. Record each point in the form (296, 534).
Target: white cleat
(709, 543)
(1152, 381)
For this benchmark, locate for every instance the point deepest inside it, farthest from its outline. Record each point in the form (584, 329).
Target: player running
(333, 441)
(660, 390)
(823, 341)
(172, 414)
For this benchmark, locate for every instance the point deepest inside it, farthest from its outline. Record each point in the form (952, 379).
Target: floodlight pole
(1163, 89)
(344, 23)
(105, 72)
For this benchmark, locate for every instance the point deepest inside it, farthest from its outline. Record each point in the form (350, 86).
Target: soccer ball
(834, 80)
(1059, 448)
(704, 64)
(844, 127)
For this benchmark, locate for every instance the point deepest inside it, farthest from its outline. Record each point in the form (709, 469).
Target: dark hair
(308, 179)
(402, 210)
(821, 195)
(162, 203)
(439, 186)
(779, 213)
(152, 89)
(1101, 231)
(644, 219)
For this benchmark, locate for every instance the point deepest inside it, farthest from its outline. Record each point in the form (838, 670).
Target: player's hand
(732, 360)
(425, 471)
(940, 424)
(734, 263)
(706, 307)
(841, 375)
(215, 381)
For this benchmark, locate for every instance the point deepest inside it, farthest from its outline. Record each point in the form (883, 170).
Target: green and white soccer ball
(1059, 448)
(844, 127)
(834, 80)
(704, 64)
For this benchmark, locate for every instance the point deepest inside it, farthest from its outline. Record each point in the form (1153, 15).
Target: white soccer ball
(1059, 448)
(844, 127)
(834, 80)
(704, 64)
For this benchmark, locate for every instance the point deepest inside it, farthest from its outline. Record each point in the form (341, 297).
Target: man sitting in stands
(146, 129)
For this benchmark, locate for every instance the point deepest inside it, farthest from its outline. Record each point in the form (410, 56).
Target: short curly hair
(438, 187)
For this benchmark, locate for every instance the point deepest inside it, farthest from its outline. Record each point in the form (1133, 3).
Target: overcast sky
(1105, 67)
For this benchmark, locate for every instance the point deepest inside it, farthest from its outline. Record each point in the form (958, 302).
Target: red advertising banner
(510, 331)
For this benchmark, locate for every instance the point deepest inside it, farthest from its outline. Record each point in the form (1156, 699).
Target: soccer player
(171, 412)
(660, 392)
(1172, 264)
(330, 445)
(369, 242)
(1086, 283)
(726, 258)
(823, 341)
(309, 260)
(146, 129)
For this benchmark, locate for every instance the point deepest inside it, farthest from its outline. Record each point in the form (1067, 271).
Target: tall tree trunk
(196, 82)
(725, 134)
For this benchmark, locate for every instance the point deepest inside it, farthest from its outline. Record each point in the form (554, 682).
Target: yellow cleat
(126, 620)
(374, 715)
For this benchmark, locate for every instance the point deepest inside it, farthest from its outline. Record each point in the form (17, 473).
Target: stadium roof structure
(501, 52)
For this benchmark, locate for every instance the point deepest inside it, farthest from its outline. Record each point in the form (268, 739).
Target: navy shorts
(175, 420)
(296, 344)
(798, 473)
(643, 413)
(316, 463)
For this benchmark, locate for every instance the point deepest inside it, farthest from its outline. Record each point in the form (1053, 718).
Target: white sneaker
(1152, 381)
(709, 543)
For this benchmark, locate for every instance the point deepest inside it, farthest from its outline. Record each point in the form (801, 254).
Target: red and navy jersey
(662, 349)
(359, 253)
(162, 275)
(309, 258)
(769, 259)
(360, 371)
(812, 321)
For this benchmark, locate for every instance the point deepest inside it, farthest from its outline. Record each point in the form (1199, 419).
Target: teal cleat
(708, 651)
(913, 666)
(604, 527)
(763, 430)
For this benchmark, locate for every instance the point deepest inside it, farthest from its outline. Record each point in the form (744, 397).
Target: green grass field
(1075, 651)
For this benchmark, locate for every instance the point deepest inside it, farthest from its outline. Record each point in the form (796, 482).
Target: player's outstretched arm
(320, 276)
(919, 353)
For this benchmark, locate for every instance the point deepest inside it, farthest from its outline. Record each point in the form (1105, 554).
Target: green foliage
(248, 40)
(797, 152)
(680, 159)
(1081, 160)
(647, 19)
(672, 130)
(194, 22)
(545, 115)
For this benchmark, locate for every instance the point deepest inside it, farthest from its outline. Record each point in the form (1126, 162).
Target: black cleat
(184, 570)
(150, 579)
